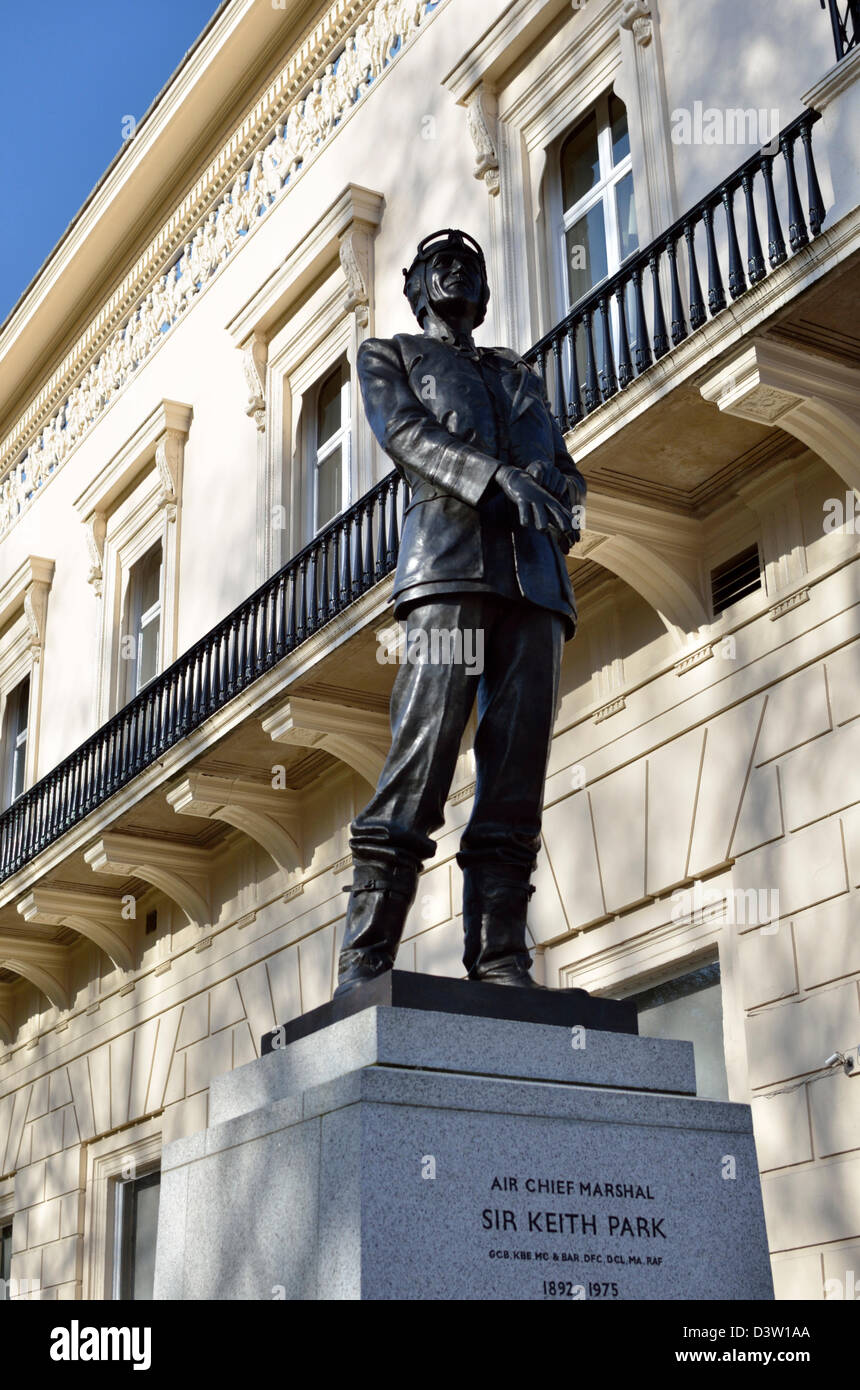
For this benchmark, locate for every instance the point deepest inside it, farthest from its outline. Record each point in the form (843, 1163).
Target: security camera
(834, 1058)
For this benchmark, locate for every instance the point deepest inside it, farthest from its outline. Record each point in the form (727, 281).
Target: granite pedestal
(416, 1153)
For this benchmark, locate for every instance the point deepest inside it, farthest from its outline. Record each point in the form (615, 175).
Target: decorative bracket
(360, 738)
(636, 15)
(255, 355)
(481, 120)
(166, 866)
(259, 811)
(92, 916)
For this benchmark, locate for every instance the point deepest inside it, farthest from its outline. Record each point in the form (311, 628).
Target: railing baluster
(698, 315)
(574, 410)
(608, 378)
(679, 322)
(625, 362)
(641, 349)
(798, 236)
(716, 289)
(755, 255)
(382, 534)
(592, 386)
(661, 337)
(393, 537)
(817, 211)
(737, 279)
(560, 402)
(776, 251)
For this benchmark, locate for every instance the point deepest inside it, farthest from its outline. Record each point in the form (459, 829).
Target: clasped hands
(542, 497)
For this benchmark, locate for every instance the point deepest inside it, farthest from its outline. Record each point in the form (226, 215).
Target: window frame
(604, 193)
(109, 1160)
(120, 1187)
(315, 455)
(137, 619)
(23, 612)
(134, 501)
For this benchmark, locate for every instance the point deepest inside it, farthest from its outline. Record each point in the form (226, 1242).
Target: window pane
(150, 579)
(586, 252)
(628, 238)
(580, 162)
(17, 713)
(329, 404)
(620, 133)
(329, 486)
(690, 1007)
(139, 1209)
(147, 664)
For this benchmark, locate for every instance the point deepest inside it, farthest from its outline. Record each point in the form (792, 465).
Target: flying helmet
(415, 282)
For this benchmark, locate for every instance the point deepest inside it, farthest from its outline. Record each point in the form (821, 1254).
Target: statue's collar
(440, 332)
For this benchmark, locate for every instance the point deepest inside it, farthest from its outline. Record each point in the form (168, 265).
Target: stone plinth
(414, 1154)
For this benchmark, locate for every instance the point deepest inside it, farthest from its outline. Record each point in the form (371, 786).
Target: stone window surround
(134, 503)
(289, 337)
(132, 1152)
(23, 611)
(514, 123)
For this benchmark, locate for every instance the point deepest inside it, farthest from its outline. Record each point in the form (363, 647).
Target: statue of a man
(494, 506)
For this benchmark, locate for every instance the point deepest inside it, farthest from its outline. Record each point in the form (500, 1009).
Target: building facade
(198, 532)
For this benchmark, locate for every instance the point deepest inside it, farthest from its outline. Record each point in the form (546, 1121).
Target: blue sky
(70, 72)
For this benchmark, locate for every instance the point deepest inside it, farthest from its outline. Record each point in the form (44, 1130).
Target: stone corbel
(168, 867)
(36, 605)
(43, 963)
(636, 16)
(271, 818)
(255, 355)
(169, 453)
(98, 919)
(481, 121)
(95, 531)
(360, 738)
(355, 251)
(811, 397)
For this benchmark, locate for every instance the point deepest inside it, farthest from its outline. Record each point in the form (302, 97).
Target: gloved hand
(550, 478)
(535, 505)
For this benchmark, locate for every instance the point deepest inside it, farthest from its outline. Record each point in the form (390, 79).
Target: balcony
(619, 330)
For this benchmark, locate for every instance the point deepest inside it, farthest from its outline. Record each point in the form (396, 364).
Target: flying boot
(379, 900)
(495, 905)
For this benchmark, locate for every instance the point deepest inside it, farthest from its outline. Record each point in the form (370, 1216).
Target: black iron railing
(845, 21)
(345, 560)
(611, 335)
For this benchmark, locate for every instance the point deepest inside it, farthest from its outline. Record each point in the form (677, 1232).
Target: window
(734, 579)
(135, 1229)
(597, 229)
(690, 1006)
(5, 1261)
(141, 642)
(15, 724)
(132, 514)
(329, 447)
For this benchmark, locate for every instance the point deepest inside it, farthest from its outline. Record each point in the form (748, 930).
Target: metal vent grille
(734, 579)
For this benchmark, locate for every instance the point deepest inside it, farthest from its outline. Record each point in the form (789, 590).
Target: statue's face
(454, 284)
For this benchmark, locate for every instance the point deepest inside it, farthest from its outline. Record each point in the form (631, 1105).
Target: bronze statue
(494, 507)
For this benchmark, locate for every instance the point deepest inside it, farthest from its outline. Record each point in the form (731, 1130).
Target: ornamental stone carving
(636, 15)
(481, 119)
(254, 357)
(310, 121)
